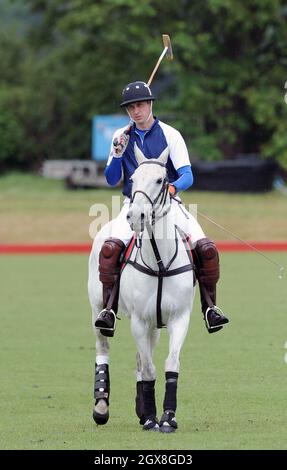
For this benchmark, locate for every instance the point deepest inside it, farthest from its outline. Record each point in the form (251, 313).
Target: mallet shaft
(157, 65)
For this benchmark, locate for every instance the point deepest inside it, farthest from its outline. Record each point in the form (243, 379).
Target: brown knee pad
(206, 261)
(110, 265)
(109, 260)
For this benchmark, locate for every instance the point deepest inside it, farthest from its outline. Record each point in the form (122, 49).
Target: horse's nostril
(129, 214)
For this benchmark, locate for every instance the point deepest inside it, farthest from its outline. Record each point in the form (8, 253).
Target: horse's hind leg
(139, 387)
(177, 329)
(102, 380)
(146, 390)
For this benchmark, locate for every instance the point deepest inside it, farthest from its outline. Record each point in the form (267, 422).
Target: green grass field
(232, 387)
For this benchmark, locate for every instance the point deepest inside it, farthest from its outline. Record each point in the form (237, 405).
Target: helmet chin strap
(129, 115)
(150, 114)
(147, 119)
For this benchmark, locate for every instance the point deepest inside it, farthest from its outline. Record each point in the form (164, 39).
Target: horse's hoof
(101, 413)
(99, 418)
(168, 422)
(151, 424)
(167, 428)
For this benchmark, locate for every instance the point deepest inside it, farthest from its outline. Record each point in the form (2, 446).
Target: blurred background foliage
(63, 61)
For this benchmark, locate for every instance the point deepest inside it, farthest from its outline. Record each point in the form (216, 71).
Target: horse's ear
(139, 155)
(164, 156)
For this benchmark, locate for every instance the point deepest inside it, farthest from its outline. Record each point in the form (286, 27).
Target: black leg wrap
(149, 399)
(102, 383)
(169, 403)
(140, 402)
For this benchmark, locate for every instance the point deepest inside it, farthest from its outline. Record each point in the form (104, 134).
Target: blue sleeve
(185, 179)
(113, 172)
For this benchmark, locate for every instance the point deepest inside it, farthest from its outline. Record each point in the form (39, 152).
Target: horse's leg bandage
(169, 403)
(101, 392)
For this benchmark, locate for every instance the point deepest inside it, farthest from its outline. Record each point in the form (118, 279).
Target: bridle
(163, 270)
(162, 193)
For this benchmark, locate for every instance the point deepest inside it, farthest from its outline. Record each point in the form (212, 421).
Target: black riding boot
(109, 268)
(206, 261)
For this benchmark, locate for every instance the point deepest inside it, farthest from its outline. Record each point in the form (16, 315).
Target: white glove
(120, 144)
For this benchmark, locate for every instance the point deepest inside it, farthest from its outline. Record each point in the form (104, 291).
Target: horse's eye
(159, 181)
(131, 180)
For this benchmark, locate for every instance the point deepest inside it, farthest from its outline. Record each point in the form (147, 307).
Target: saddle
(163, 270)
(114, 257)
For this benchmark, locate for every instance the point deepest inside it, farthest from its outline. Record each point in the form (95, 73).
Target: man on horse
(152, 137)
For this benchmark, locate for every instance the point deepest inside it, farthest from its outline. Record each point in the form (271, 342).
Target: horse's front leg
(155, 334)
(102, 380)
(177, 329)
(145, 405)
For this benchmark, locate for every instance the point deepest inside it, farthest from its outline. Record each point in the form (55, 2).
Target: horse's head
(149, 198)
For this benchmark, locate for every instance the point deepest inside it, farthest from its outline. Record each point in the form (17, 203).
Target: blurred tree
(232, 62)
(224, 91)
(11, 130)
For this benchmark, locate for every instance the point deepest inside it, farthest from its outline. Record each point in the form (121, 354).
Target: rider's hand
(171, 189)
(120, 143)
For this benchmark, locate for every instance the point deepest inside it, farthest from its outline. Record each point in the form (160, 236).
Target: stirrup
(105, 330)
(214, 328)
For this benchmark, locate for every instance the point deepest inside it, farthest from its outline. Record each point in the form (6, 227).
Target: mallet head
(167, 43)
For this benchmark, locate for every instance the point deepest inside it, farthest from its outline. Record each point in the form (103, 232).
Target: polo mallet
(166, 51)
(169, 55)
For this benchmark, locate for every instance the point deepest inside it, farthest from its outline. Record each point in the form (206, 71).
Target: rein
(163, 271)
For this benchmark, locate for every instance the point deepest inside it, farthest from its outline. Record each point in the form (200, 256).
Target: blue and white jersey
(152, 143)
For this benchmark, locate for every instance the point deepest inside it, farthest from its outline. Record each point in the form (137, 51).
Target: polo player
(152, 136)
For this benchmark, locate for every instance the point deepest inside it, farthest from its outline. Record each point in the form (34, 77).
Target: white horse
(156, 289)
